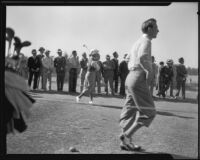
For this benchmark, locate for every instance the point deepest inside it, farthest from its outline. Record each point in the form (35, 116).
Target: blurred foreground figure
(17, 100)
(139, 109)
(181, 77)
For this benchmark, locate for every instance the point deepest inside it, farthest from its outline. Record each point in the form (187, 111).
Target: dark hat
(84, 54)
(115, 53)
(47, 51)
(181, 59)
(107, 56)
(169, 61)
(161, 63)
(125, 55)
(41, 49)
(59, 51)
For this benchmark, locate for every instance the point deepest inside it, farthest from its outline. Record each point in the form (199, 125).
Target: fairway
(58, 122)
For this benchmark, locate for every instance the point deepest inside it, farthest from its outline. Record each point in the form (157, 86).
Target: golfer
(90, 77)
(139, 109)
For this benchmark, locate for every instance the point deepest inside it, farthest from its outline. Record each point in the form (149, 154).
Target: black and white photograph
(102, 79)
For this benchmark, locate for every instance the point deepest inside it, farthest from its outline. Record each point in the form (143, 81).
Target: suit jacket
(59, 64)
(34, 63)
(123, 69)
(116, 64)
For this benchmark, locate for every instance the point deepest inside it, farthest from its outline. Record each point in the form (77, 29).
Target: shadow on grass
(53, 92)
(187, 100)
(168, 155)
(163, 113)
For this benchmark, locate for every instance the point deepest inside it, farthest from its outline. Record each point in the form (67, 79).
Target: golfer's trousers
(139, 106)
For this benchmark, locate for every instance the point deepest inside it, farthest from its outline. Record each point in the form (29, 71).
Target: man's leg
(106, 84)
(116, 84)
(171, 88)
(74, 80)
(45, 75)
(49, 79)
(178, 88)
(58, 81)
(110, 80)
(36, 75)
(62, 80)
(30, 77)
(70, 80)
(183, 89)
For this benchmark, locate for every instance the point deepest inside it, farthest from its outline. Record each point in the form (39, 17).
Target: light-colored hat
(169, 61)
(94, 52)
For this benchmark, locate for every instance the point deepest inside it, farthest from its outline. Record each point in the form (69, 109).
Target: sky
(108, 29)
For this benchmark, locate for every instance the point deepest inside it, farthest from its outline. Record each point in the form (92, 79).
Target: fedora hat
(169, 61)
(41, 49)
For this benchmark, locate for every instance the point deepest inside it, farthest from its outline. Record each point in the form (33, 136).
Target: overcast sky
(108, 28)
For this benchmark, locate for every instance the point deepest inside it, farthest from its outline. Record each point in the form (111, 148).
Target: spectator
(40, 56)
(173, 82)
(48, 65)
(99, 75)
(73, 72)
(108, 74)
(168, 78)
(116, 69)
(161, 74)
(123, 72)
(83, 64)
(67, 68)
(154, 75)
(181, 77)
(59, 64)
(34, 65)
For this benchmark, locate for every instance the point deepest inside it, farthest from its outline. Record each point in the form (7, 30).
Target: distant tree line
(192, 71)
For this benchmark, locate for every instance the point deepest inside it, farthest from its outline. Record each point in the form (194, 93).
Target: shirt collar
(146, 36)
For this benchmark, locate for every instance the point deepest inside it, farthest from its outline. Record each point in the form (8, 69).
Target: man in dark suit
(181, 77)
(116, 74)
(123, 72)
(41, 75)
(34, 65)
(59, 64)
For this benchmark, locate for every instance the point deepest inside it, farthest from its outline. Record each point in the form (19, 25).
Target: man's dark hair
(181, 60)
(114, 53)
(148, 24)
(161, 63)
